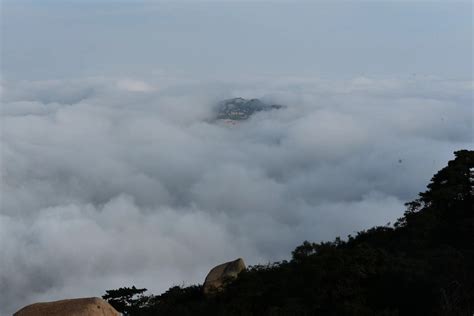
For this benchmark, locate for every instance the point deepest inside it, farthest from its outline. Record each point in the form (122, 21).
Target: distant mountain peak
(238, 109)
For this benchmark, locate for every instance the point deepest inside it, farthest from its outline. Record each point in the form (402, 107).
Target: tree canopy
(423, 265)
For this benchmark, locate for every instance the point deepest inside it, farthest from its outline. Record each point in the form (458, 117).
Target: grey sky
(51, 39)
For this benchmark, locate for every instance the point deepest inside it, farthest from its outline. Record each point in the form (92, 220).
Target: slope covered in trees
(423, 265)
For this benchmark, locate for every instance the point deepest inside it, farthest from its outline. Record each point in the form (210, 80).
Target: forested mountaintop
(241, 109)
(422, 265)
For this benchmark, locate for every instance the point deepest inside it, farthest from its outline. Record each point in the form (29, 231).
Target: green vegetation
(424, 265)
(239, 109)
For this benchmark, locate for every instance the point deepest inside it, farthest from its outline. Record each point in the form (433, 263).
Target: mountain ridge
(422, 265)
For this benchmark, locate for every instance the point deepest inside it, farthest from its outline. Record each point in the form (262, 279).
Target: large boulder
(222, 274)
(91, 306)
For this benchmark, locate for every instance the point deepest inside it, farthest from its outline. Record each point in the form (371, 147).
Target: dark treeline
(423, 265)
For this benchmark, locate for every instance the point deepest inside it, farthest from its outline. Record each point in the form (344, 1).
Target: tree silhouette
(423, 265)
(126, 300)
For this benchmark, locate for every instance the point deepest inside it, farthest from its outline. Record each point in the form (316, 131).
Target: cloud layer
(110, 182)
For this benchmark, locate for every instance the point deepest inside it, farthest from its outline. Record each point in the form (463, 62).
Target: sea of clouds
(110, 182)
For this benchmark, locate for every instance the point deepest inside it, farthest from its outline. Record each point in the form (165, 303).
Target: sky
(62, 39)
(113, 173)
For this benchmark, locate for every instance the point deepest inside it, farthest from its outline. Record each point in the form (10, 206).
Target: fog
(113, 182)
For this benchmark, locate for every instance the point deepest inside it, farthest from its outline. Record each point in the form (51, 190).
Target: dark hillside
(424, 265)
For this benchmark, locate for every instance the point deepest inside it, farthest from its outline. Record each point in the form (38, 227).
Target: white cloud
(134, 85)
(108, 183)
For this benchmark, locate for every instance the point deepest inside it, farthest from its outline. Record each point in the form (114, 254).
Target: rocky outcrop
(222, 274)
(91, 306)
